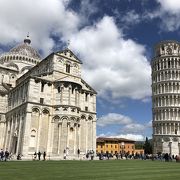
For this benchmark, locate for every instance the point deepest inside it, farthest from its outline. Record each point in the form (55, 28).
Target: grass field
(90, 170)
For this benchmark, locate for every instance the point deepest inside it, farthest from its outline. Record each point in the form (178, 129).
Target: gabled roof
(88, 86)
(67, 53)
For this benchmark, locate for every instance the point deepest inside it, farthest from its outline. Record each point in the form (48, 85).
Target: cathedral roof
(69, 54)
(25, 49)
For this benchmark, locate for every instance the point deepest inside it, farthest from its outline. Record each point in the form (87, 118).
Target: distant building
(166, 98)
(45, 104)
(116, 145)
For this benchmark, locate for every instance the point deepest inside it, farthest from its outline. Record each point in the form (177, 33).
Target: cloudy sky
(113, 38)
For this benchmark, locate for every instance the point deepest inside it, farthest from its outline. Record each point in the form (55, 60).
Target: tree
(147, 147)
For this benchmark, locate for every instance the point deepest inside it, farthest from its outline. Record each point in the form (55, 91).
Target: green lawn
(90, 170)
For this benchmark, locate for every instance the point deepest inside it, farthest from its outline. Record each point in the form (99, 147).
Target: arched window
(71, 133)
(68, 68)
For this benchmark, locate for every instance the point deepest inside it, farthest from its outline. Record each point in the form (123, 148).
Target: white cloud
(135, 137)
(171, 6)
(131, 17)
(116, 67)
(134, 128)
(125, 124)
(169, 13)
(41, 18)
(113, 118)
(149, 124)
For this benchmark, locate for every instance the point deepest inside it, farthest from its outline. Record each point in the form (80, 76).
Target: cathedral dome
(25, 49)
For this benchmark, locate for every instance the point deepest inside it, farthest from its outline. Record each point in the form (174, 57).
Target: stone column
(39, 131)
(52, 137)
(27, 126)
(170, 148)
(49, 149)
(165, 128)
(75, 138)
(8, 128)
(64, 135)
(10, 135)
(59, 137)
(62, 89)
(70, 92)
(179, 147)
(19, 136)
(162, 125)
(94, 135)
(68, 128)
(87, 134)
(162, 143)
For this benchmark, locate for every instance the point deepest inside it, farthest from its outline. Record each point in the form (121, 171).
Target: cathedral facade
(45, 104)
(166, 98)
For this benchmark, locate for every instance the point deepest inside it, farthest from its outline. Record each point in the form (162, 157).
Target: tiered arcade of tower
(166, 98)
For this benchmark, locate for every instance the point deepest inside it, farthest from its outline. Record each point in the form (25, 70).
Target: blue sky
(113, 38)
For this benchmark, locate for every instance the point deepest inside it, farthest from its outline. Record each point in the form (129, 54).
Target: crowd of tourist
(161, 157)
(38, 155)
(5, 156)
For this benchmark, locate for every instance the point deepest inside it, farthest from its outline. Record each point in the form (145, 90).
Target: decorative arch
(35, 109)
(83, 116)
(72, 118)
(64, 118)
(56, 118)
(90, 118)
(45, 111)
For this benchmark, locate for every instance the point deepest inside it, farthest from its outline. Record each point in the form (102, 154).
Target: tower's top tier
(167, 48)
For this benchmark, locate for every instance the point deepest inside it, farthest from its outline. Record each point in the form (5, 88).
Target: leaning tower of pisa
(166, 98)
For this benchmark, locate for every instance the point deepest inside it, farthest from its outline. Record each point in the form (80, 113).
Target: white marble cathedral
(166, 98)
(45, 105)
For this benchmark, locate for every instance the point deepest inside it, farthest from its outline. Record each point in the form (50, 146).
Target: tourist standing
(44, 156)
(6, 155)
(2, 154)
(35, 155)
(39, 155)
(78, 152)
(64, 154)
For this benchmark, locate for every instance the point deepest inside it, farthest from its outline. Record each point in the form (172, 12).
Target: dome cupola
(27, 40)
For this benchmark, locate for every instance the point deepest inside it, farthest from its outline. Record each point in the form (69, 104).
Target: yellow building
(116, 145)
